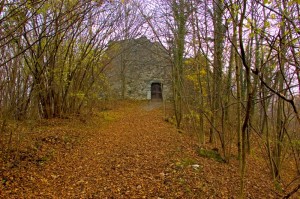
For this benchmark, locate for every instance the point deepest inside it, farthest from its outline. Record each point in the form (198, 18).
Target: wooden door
(156, 91)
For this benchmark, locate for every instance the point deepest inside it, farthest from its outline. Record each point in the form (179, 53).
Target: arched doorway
(156, 91)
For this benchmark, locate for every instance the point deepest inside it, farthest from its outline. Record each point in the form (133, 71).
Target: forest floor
(125, 152)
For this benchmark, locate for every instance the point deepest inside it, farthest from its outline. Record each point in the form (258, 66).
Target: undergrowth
(211, 154)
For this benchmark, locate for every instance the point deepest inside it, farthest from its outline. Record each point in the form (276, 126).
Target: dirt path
(134, 154)
(124, 159)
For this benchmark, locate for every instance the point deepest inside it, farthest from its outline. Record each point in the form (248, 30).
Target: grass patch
(211, 154)
(108, 116)
(185, 162)
(188, 162)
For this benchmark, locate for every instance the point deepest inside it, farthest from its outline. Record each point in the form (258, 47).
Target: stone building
(139, 69)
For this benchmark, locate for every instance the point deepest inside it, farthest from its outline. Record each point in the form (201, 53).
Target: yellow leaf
(267, 24)
(273, 16)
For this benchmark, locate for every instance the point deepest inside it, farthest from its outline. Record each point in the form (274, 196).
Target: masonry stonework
(139, 69)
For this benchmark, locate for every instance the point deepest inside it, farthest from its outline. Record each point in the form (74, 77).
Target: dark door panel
(156, 91)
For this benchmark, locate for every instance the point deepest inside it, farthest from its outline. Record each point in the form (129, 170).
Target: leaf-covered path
(133, 153)
(125, 159)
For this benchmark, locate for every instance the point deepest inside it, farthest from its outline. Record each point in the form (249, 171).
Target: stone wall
(135, 65)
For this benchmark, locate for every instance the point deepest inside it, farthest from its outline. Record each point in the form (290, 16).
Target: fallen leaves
(127, 152)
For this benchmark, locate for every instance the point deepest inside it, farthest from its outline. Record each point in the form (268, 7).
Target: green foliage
(296, 144)
(267, 24)
(43, 159)
(45, 8)
(278, 186)
(195, 72)
(171, 120)
(290, 3)
(212, 154)
(79, 95)
(108, 117)
(193, 114)
(186, 162)
(3, 181)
